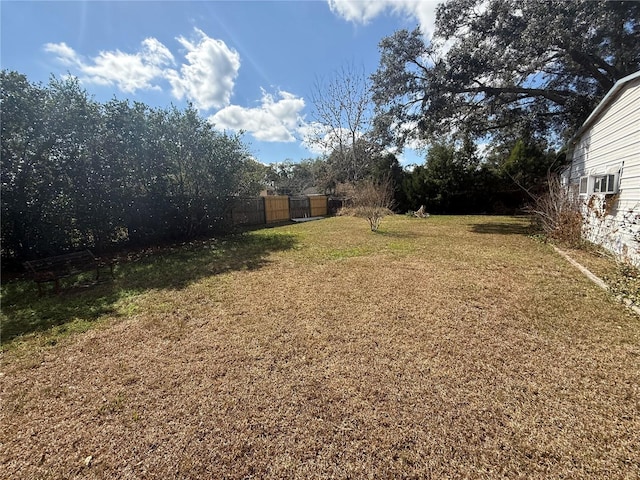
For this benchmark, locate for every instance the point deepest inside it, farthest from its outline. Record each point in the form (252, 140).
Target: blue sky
(244, 64)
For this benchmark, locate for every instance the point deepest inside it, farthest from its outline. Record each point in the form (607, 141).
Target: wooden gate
(299, 207)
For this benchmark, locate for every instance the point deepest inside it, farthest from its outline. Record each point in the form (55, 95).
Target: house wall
(611, 142)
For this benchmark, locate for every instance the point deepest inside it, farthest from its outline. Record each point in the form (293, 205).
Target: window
(584, 185)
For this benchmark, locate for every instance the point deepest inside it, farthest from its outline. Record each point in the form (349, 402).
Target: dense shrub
(80, 174)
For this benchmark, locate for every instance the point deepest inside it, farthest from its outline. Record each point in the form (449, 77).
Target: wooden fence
(248, 211)
(319, 206)
(276, 208)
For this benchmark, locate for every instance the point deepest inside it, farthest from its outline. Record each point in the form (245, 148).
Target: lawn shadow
(502, 228)
(83, 300)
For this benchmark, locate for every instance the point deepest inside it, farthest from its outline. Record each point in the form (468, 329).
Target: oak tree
(502, 65)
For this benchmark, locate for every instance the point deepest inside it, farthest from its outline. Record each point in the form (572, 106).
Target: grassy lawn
(451, 347)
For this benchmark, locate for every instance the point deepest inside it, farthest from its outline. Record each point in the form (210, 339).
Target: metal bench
(52, 269)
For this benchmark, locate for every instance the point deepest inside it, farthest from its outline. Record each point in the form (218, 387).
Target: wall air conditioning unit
(604, 183)
(607, 184)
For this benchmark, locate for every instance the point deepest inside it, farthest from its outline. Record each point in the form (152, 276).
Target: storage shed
(605, 170)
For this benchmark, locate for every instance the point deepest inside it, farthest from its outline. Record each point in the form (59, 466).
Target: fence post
(264, 209)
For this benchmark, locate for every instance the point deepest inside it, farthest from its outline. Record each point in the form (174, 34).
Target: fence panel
(248, 211)
(318, 205)
(276, 208)
(299, 207)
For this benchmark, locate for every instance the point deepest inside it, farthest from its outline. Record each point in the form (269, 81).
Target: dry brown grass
(621, 278)
(440, 348)
(596, 259)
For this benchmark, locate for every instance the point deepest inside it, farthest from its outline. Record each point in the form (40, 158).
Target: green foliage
(293, 178)
(254, 178)
(356, 163)
(454, 179)
(386, 167)
(496, 66)
(528, 166)
(77, 174)
(447, 183)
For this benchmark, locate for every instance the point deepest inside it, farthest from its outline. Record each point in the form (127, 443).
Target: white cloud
(273, 121)
(155, 53)
(65, 54)
(363, 11)
(128, 71)
(209, 76)
(358, 11)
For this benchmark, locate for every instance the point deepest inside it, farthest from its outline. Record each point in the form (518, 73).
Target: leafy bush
(80, 174)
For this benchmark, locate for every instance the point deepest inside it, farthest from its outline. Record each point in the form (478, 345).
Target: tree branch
(557, 96)
(588, 62)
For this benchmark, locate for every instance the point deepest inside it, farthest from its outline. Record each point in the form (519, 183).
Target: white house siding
(608, 141)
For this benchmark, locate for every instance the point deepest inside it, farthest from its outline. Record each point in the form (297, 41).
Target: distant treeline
(456, 180)
(81, 174)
